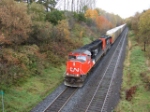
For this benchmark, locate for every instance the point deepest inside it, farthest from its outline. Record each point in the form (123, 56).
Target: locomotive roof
(86, 49)
(92, 45)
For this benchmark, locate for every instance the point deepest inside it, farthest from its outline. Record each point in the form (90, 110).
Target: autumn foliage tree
(102, 23)
(91, 14)
(135, 21)
(14, 22)
(61, 32)
(144, 29)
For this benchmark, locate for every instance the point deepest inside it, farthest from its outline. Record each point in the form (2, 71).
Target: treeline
(103, 20)
(71, 5)
(35, 36)
(140, 23)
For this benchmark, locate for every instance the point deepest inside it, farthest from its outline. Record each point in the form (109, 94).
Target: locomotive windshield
(81, 58)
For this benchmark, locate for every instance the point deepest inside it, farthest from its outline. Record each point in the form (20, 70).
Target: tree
(54, 16)
(28, 1)
(91, 13)
(49, 4)
(76, 5)
(134, 22)
(103, 24)
(144, 29)
(79, 16)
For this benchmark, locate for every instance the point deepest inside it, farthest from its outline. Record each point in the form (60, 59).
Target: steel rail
(109, 89)
(67, 100)
(54, 100)
(59, 96)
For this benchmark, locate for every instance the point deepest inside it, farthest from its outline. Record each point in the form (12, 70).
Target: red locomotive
(83, 59)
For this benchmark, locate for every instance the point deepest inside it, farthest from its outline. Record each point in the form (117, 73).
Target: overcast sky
(124, 8)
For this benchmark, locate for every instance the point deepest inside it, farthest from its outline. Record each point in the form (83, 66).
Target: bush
(61, 31)
(15, 23)
(18, 65)
(37, 12)
(54, 16)
(79, 17)
(71, 19)
(41, 32)
(90, 22)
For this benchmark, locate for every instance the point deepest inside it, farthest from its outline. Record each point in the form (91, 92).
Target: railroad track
(105, 103)
(97, 98)
(61, 100)
(99, 94)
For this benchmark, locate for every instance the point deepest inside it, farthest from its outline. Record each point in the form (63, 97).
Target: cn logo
(74, 69)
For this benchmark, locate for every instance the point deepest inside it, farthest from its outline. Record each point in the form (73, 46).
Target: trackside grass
(134, 65)
(24, 97)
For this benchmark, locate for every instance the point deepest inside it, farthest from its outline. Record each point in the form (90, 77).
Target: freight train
(81, 61)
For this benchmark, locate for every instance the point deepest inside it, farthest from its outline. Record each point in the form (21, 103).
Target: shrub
(37, 12)
(79, 17)
(71, 19)
(41, 32)
(14, 21)
(54, 16)
(90, 22)
(61, 31)
(18, 65)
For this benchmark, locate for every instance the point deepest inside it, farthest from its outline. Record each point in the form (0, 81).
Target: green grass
(24, 97)
(131, 77)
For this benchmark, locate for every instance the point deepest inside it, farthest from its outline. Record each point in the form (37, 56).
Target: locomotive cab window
(81, 58)
(71, 57)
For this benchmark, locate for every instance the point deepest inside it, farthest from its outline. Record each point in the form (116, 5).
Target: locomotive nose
(72, 81)
(73, 68)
